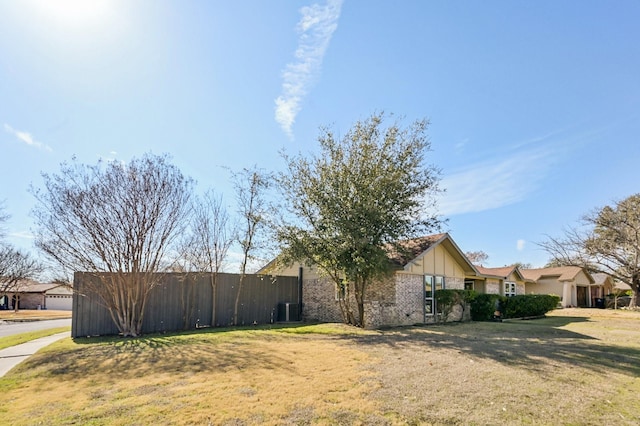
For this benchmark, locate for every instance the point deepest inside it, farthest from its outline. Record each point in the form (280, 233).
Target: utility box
(288, 312)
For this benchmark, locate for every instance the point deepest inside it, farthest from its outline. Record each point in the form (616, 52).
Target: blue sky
(534, 106)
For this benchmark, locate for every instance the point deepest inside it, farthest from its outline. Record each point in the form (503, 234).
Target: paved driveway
(8, 328)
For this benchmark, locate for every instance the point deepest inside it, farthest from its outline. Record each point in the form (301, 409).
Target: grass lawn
(33, 315)
(16, 339)
(575, 367)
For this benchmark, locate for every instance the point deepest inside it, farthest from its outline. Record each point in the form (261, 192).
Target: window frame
(435, 282)
(510, 288)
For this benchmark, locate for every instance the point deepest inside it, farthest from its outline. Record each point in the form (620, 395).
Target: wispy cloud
(497, 183)
(26, 137)
(520, 244)
(316, 26)
(22, 235)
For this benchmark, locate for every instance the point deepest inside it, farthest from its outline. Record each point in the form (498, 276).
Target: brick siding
(396, 301)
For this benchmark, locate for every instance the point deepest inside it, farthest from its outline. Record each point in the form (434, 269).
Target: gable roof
(412, 248)
(601, 278)
(411, 251)
(30, 286)
(620, 286)
(418, 247)
(562, 273)
(502, 272)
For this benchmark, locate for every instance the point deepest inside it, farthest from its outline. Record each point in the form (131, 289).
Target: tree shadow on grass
(533, 344)
(121, 358)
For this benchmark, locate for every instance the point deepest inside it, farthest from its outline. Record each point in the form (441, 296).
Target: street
(8, 328)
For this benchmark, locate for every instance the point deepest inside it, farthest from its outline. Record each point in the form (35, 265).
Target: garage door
(59, 303)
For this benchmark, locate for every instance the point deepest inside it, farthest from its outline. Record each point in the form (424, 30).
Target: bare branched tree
(477, 257)
(4, 216)
(116, 221)
(210, 240)
(250, 185)
(608, 241)
(15, 266)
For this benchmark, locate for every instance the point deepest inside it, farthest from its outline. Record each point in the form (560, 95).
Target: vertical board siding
(183, 301)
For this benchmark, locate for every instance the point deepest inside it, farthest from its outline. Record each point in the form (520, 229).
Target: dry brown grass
(33, 315)
(578, 367)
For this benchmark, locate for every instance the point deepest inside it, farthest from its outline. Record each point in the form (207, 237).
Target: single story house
(436, 262)
(572, 283)
(34, 295)
(430, 263)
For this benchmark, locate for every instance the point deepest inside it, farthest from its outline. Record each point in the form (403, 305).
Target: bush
(530, 305)
(525, 305)
(447, 299)
(484, 305)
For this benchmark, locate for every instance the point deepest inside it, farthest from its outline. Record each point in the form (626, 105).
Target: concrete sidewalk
(14, 355)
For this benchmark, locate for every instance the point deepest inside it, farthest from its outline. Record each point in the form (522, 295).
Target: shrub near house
(483, 306)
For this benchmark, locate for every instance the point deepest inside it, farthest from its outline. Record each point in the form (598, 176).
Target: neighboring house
(33, 295)
(507, 281)
(603, 285)
(619, 287)
(572, 283)
(619, 295)
(407, 297)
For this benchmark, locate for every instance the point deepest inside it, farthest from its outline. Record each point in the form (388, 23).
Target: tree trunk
(237, 302)
(188, 302)
(635, 293)
(360, 285)
(344, 301)
(214, 296)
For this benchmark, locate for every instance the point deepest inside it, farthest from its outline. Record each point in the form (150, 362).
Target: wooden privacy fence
(183, 301)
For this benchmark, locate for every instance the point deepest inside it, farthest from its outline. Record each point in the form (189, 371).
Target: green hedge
(526, 305)
(530, 305)
(484, 305)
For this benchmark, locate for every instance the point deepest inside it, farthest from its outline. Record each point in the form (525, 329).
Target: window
(469, 284)
(509, 289)
(431, 284)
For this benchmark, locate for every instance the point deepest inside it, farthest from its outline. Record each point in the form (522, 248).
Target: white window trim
(510, 288)
(434, 308)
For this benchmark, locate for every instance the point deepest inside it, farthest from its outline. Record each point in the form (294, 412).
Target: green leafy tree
(355, 200)
(608, 242)
(117, 221)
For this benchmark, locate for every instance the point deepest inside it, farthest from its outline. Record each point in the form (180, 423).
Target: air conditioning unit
(288, 312)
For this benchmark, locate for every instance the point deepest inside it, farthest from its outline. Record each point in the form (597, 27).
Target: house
(603, 286)
(30, 294)
(571, 283)
(407, 297)
(507, 281)
(436, 262)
